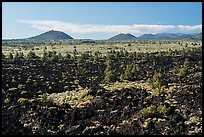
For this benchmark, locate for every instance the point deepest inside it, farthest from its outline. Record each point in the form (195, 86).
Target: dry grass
(103, 48)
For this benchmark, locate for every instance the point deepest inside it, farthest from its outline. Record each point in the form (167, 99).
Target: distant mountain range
(159, 36)
(58, 35)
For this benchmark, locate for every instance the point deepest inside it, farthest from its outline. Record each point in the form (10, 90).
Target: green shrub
(162, 110)
(186, 63)
(158, 91)
(3, 92)
(149, 111)
(156, 81)
(6, 100)
(194, 120)
(66, 87)
(155, 111)
(21, 100)
(198, 74)
(182, 72)
(43, 97)
(155, 92)
(149, 81)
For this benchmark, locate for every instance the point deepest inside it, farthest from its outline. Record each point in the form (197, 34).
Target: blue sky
(99, 20)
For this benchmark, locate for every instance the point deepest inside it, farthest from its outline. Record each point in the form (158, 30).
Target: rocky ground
(118, 108)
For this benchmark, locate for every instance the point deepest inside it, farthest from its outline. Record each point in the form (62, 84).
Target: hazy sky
(99, 20)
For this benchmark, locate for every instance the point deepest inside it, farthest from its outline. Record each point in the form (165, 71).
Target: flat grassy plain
(103, 47)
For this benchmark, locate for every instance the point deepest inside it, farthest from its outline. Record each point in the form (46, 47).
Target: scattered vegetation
(77, 87)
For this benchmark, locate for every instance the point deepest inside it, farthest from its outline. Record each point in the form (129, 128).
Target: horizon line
(99, 39)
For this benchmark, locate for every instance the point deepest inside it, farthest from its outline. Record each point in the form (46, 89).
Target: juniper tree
(97, 56)
(60, 56)
(10, 56)
(67, 56)
(127, 75)
(31, 55)
(21, 55)
(3, 56)
(16, 56)
(110, 74)
(45, 55)
(75, 53)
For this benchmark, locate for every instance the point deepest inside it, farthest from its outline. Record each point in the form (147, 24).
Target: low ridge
(123, 36)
